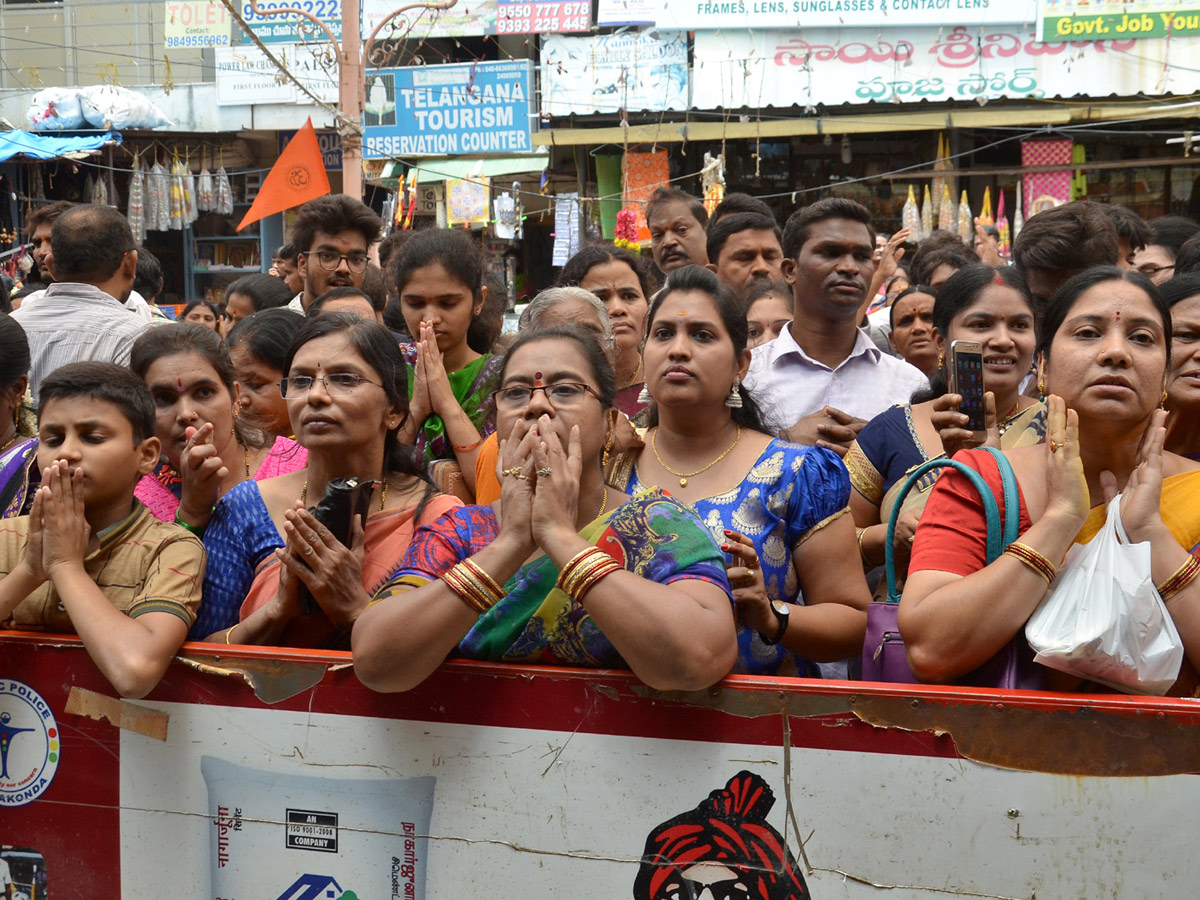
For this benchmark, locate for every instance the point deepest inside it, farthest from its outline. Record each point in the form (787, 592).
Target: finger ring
(545, 472)
(1054, 445)
(514, 471)
(308, 551)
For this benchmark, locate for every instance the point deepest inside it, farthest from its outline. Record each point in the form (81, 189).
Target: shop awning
(441, 169)
(46, 146)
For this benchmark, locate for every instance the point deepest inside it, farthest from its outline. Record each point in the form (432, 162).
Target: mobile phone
(966, 380)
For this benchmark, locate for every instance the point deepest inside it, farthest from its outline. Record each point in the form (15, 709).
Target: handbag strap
(998, 536)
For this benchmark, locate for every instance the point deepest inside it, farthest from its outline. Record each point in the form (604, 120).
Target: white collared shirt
(74, 322)
(788, 384)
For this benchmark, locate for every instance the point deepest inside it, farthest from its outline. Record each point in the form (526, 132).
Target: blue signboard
(463, 109)
(330, 143)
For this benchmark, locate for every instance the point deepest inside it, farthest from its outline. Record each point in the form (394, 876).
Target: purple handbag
(884, 657)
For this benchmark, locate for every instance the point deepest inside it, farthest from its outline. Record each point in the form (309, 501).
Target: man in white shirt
(332, 235)
(82, 316)
(823, 378)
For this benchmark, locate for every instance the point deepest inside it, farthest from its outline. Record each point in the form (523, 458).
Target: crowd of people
(683, 464)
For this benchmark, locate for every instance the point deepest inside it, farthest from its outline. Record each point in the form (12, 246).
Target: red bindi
(537, 379)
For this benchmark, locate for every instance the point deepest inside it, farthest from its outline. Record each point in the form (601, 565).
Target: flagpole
(352, 54)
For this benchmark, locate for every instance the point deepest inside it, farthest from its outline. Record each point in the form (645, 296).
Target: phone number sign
(287, 27)
(195, 23)
(543, 18)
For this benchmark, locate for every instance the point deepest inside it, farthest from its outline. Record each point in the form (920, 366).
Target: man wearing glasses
(332, 235)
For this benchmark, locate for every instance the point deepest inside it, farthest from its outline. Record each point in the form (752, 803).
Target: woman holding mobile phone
(985, 306)
(347, 397)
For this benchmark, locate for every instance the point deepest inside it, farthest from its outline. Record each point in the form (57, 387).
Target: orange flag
(297, 177)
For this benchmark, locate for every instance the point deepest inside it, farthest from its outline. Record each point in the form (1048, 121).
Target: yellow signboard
(195, 23)
(1083, 20)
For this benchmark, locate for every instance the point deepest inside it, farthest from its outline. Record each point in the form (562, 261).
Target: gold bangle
(1180, 579)
(229, 633)
(594, 575)
(1033, 559)
(567, 571)
(473, 586)
(859, 534)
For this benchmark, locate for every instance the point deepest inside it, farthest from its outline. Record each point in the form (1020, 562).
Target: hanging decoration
(176, 203)
(1050, 188)
(947, 212)
(222, 193)
(942, 183)
(626, 232)
(158, 187)
(926, 215)
(985, 213)
(644, 172)
(966, 222)
(910, 216)
(410, 193)
(712, 180)
(136, 213)
(204, 191)
(1005, 242)
(1018, 216)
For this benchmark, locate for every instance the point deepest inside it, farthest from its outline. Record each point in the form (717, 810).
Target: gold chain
(382, 494)
(684, 476)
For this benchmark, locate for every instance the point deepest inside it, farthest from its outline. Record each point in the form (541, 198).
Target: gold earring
(1042, 387)
(608, 444)
(1162, 404)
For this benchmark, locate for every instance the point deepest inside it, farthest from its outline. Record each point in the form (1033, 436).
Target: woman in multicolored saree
(564, 569)
(453, 322)
(988, 305)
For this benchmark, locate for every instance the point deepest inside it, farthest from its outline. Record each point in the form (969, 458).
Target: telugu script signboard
(1074, 20)
(462, 109)
(834, 66)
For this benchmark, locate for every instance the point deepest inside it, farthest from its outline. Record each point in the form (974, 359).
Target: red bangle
(467, 448)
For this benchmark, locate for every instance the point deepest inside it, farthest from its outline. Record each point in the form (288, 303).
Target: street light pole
(352, 55)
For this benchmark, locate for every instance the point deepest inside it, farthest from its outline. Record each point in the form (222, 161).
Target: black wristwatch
(782, 616)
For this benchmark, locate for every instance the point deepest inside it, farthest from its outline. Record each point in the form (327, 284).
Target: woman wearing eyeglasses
(439, 276)
(563, 569)
(346, 396)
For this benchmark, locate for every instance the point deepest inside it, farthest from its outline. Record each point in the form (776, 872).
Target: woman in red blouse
(1102, 357)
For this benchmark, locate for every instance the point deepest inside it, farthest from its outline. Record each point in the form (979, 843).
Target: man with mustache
(823, 378)
(331, 236)
(745, 251)
(676, 221)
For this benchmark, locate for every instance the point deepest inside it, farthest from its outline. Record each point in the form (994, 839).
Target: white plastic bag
(1102, 618)
(55, 109)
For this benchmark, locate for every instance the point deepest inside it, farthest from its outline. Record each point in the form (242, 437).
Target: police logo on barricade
(30, 745)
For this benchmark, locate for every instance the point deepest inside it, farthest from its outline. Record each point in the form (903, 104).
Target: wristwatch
(782, 615)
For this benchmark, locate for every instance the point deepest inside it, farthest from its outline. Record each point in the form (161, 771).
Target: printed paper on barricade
(642, 70)
(1081, 20)
(195, 23)
(473, 109)
(245, 75)
(874, 14)
(834, 66)
(288, 27)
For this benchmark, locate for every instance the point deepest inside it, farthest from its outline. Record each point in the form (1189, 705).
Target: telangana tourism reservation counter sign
(459, 109)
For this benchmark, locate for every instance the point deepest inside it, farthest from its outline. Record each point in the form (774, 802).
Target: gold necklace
(382, 494)
(684, 476)
(12, 440)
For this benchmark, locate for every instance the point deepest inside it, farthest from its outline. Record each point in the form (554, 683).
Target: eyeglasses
(330, 260)
(335, 383)
(561, 394)
(686, 889)
(1150, 269)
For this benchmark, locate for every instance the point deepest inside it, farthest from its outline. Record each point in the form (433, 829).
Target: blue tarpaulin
(43, 146)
